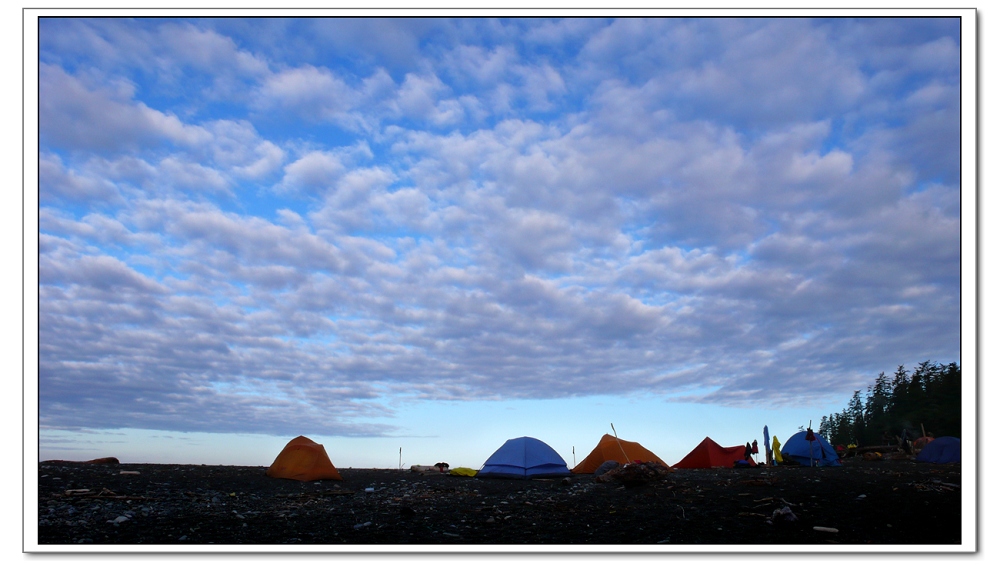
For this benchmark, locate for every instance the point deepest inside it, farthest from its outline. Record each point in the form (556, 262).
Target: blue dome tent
(822, 453)
(524, 458)
(941, 450)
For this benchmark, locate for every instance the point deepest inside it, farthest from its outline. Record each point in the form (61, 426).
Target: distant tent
(608, 450)
(943, 449)
(524, 458)
(710, 454)
(303, 459)
(797, 449)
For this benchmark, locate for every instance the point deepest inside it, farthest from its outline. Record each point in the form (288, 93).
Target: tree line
(929, 399)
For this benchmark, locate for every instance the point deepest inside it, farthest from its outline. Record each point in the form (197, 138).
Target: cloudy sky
(436, 234)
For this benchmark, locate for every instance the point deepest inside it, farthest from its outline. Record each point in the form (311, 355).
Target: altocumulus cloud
(247, 221)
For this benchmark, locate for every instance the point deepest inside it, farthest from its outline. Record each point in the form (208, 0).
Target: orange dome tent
(711, 454)
(608, 450)
(303, 459)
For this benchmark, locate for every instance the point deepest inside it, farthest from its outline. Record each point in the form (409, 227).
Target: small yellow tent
(303, 459)
(610, 449)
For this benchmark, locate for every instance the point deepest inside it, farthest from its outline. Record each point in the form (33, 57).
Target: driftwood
(883, 449)
(100, 461)
(102, 494)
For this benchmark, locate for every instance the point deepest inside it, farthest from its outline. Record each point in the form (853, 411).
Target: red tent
(711, 454)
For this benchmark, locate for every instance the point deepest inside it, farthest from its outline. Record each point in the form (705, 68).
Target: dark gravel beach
(861, 503)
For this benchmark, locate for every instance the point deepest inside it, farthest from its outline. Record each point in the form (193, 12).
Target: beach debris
(825, 529)
(128, 472)
(104, 461)
(784, 515)
(424, 469)
(120, 519)
(606, 466)
(635, 474)
(362, 525)
(935, 486)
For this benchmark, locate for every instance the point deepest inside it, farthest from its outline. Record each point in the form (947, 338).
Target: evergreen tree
(876, 409)
(825, 428)
(856, 417)
(930, 397)
(899, 404)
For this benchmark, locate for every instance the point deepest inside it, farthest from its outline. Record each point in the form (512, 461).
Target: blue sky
(437, 234)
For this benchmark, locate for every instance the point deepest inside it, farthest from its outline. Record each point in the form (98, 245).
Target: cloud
(236, 145)
(99, 272)
(561, 31)
(421, 98)
(209, 51)
(390, 41)
(310, 91)
(747, 72)
(74, 116)
(738, 211)
(250, 240)
(192, 176)
(476, 65)
(55, 182)
(315, 171)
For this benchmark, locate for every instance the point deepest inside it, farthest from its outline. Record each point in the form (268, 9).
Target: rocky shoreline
(168, 507)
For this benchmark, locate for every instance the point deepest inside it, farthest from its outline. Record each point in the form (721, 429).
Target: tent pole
(812, 463)
(620, 444)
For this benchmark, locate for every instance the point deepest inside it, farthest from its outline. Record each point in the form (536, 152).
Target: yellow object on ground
(463, 472)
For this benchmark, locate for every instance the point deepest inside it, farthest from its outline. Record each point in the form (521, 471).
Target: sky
(413, 239)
